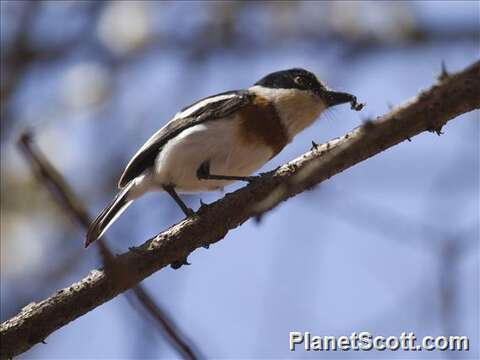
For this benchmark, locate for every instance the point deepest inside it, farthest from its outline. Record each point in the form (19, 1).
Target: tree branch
(429, 111)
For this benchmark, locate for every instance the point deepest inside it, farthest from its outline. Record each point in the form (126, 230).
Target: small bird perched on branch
(221, 139)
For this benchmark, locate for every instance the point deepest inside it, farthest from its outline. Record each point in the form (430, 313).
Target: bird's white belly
(217, 142)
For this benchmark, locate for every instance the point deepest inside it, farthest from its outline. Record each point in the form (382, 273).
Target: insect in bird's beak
(335, 98)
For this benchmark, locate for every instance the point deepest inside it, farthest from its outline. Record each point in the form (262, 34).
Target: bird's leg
(203, 173)
(170, 189)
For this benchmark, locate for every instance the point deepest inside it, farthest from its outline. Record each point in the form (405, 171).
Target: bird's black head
(304, 80)
(292, 79)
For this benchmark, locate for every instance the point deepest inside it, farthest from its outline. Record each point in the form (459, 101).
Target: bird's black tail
(108, 215)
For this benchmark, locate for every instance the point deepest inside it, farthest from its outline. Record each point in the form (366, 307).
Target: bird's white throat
(297, 109)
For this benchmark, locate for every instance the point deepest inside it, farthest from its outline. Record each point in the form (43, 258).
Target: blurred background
(390, 245)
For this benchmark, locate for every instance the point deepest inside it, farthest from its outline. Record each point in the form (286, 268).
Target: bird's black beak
(333, 98)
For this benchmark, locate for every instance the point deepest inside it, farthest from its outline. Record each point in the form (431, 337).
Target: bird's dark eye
(299, 80)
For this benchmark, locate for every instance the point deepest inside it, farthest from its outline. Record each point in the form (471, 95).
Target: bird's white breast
(215, 141)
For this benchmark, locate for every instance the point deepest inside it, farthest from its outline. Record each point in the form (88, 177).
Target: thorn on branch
(444, 75)
(202, 205)
(437, 129)
(178, 264)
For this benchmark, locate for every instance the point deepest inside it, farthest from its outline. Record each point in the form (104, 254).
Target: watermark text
(365, 341)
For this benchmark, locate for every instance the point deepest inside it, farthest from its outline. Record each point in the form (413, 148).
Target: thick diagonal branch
(429, 111)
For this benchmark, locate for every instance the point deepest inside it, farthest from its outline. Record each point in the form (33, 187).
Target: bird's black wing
(213, 110)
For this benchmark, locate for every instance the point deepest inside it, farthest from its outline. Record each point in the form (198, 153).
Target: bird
(220, 139)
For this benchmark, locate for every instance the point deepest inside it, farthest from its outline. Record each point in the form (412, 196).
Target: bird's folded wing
(212, 108)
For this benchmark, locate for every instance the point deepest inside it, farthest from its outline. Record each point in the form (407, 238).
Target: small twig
(444, 73)
(167, 324)
(65, 197)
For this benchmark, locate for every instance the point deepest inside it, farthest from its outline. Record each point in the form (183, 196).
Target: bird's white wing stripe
(190, 110)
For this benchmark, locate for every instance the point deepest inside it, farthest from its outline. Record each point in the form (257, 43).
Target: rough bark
(451, 96)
